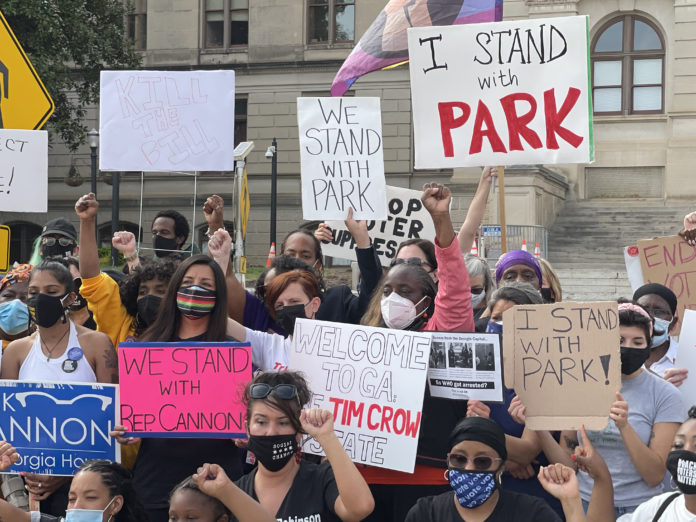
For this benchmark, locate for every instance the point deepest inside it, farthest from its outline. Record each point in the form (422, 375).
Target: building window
(628, 57)
(136, 25)
(330, 21)
(240, 121)
(22, 238)
(226, 23)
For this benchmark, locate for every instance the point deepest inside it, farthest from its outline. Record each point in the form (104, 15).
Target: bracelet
(132, 257)
(209, 234)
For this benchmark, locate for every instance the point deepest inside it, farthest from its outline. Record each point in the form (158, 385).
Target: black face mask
(632, 359)
(56, 250)
(286, 316)
(163, 244)
(46, 309)
(273, 451)
(90, 323)
(147, 309)
(547, 295)
(681, 464)
(80, 302)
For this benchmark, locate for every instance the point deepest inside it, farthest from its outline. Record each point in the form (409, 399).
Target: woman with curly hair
(122, 314)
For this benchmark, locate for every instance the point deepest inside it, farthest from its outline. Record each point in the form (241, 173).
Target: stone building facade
(644, 62)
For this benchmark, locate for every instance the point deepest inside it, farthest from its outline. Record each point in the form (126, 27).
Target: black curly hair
(119, 481)
(292, 408)
(161, 269)
(188, 484)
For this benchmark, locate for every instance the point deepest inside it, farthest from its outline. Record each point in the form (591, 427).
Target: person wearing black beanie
(661, 303)
(474, 465)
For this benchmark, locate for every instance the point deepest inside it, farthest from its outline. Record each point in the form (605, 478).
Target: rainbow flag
(384, 44)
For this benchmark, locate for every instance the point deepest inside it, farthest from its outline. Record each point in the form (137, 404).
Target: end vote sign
(501, 93)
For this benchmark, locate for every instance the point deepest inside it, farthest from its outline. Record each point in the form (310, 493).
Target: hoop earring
(446, 475)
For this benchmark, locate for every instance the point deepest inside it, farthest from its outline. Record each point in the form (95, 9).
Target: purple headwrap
(517, 257)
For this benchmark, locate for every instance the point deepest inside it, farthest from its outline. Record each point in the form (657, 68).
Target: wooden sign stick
(501, 209)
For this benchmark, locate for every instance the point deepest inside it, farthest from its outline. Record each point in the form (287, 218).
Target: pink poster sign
(183, 389)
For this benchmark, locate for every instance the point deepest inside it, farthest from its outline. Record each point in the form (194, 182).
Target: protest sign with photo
(183, 389)
(671, 261)
(166, 120)
(58, 426)
(372, 380)
(466, 366)
(407, 219)
(504, 93)
(341, 152)
(563, 362)
(23, 170)
(686, 355)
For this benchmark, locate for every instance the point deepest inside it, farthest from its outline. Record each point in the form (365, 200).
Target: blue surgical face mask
(660, 324)
(14, 317)
(472, 488)
(87, 515)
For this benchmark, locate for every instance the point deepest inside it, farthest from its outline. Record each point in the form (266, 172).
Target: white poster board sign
(633, 268)
(342, 158)
(466, 366)
(503, 93)
(166, 120)
(373, 380)
(23, 170)
(407, 218)
(686, 356)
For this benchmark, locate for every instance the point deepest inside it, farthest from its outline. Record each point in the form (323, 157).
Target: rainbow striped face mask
(195, 301)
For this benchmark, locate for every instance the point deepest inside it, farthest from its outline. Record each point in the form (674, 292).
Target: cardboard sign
(563, 361)
(183, 389)
(504, 93)
(407, 219)
(373, 380)
(165, 120)
(466, 366)
(686, 356)
(56, 426)
(23, 171)
(671, 261)
(342, 159)
(633, 268)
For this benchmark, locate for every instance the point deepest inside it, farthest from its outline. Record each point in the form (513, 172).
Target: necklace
(50, 352)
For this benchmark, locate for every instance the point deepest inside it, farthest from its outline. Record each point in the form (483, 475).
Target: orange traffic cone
(524, 245)
(537, 254)
(271, 255)
(474, 249)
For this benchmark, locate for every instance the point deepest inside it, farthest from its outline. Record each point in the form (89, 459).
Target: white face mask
(477, 299)
(399, 312)
(87, 515)
(660, 324)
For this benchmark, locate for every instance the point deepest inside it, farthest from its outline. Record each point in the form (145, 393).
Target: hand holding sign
(517, 410)
(8, 455)
(619, 412)
(118, 433)
(43, 486)
(676, 376)
(476, 408)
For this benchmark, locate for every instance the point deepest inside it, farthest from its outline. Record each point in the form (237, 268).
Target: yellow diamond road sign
(24, 101)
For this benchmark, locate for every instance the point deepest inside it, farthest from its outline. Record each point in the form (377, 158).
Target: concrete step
(593, 284)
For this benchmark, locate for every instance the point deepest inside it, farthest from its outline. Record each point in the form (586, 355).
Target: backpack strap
(666, 502)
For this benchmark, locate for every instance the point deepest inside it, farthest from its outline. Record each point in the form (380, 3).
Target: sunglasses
(281, 391)
(412, 261)
(62, 241)
(481, 463)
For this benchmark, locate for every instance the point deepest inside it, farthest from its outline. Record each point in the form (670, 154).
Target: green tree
(69, 42)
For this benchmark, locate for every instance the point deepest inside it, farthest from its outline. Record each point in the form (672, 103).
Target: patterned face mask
(195, 301)
(472, 488)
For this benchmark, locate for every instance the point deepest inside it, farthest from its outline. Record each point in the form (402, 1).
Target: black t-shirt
(511, 507)
(311, 497)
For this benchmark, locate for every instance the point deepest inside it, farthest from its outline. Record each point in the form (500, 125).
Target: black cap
(60, 226)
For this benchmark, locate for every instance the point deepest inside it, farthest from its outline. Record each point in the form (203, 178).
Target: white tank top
(72, 366)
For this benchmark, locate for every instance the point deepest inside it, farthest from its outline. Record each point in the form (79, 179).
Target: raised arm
(601, 508)
(86, 209)
(124, 242)
(219, 248)
(212, 480)
(477, 207)
(689, 232)
(355, 500)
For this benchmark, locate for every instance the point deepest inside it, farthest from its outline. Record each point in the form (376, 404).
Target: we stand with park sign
(502, 93)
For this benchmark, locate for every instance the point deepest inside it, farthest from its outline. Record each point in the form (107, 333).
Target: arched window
(628, 64)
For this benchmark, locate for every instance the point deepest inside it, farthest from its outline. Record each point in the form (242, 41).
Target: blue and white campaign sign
(57, 426)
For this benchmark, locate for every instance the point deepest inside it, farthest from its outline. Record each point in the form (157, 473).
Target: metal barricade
(489, 242)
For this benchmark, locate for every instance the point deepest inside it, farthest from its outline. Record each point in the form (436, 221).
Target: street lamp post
(272, 152)
(115, 181)
(93, 142)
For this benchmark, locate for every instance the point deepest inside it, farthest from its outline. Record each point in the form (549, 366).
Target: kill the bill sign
(512, 92)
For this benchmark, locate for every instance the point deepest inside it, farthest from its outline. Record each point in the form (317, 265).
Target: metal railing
(489, 242)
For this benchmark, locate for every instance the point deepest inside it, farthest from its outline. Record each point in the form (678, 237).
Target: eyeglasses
(412, 261)
(660, 313)
(62, 241)
(482, 462)
(262, 390)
